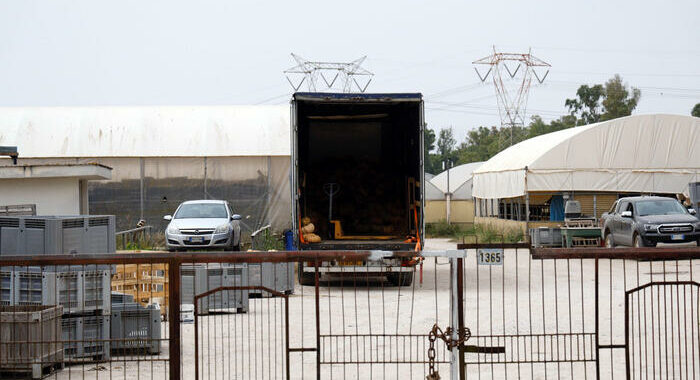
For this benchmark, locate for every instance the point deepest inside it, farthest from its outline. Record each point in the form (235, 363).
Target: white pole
(448, 195)
(454, 318)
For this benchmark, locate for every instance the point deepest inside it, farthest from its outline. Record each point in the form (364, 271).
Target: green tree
(446, 144)
(540, 127)
(619, 100)
(603, 102)
(431, 164)
(696, 110)
(586, 108)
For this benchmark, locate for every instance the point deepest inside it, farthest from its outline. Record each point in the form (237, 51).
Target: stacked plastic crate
(134, 329)
(82, 291)
(201, 278)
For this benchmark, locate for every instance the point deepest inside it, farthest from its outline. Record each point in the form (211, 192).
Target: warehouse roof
(81, 171)
(159, 131)
(646, 153)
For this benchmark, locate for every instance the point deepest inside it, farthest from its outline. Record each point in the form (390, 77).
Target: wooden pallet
(37, 372)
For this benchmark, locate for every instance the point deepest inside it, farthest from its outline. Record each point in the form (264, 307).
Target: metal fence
(481, 311)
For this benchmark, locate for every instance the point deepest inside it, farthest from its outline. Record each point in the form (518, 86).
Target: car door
(626, 225)
(617, 222)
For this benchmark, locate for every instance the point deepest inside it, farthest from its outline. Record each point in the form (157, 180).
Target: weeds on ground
(267, 241)
(471, 233)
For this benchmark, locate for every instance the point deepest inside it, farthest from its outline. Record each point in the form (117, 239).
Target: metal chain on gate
(446, 337)
(432, 374)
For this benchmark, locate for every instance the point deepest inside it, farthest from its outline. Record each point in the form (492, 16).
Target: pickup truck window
(670, 207)
(623, 206)
(613, 208)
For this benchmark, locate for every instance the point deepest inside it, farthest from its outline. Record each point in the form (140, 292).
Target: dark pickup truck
(646, 221)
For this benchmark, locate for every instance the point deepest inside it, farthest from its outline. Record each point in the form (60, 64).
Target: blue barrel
(289, 240)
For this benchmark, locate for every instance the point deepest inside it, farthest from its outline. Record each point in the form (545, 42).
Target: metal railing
(542, 313)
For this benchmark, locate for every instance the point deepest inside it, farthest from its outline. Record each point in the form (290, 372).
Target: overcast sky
(87, 52)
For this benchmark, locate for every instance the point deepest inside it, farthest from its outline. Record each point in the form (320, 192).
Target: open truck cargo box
(370, 147)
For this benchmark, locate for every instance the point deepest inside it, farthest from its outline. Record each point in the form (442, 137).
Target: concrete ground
(521, 314)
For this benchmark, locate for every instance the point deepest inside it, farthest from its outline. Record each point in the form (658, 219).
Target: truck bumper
(654, 238)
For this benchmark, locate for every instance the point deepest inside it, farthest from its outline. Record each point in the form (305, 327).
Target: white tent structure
(453, 204)
(460, 179)
(657, 154)
(164, 155)
(647, 153)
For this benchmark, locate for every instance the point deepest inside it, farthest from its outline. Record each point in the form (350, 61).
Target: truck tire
(609, 242)
(639, 242)
(305, 279)
(400, 279)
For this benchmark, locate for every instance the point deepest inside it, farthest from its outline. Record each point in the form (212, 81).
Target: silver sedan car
(203, 224)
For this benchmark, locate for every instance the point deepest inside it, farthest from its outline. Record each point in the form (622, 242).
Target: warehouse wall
(257, 187)
(52, 196)
(460, 211)
(435, 211)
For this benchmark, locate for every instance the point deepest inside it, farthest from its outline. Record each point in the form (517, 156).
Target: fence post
(460, 315)
(454, 318)
(174, 318)
(597, 317)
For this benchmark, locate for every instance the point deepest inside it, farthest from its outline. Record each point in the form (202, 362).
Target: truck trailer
(357, 180)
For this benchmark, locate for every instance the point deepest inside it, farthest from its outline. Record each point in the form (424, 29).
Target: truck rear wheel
(400, 279)
(306, 278)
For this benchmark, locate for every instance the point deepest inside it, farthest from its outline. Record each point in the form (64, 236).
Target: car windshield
(201, 210)
(670, 207)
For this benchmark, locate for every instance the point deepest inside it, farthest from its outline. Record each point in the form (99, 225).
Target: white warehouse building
(162, 156)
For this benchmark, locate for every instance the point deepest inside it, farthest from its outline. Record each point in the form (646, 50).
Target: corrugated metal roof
(159, 131)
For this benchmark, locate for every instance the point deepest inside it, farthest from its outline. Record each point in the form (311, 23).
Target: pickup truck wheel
(609, 243)
(306, 279)
(400, 279)
(639, 242)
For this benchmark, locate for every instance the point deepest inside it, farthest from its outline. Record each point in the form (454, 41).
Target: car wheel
(609, 243)
(638, 242)
(232, 247)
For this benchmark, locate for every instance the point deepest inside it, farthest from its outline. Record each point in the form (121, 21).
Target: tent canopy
(160, 131)
(646, 153)
(460, 180)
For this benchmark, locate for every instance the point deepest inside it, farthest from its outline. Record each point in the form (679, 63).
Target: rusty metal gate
(251, 344)
(383, 331)
(662, 330)
(579, 313)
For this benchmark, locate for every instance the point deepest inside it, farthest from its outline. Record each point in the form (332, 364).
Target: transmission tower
(512, 76)
(334, 76)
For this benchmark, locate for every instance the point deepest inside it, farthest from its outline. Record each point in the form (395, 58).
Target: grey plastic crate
(86, 337)
(53, 235)
(275, 276)
(6, 288)
(135, 328)
(198, 279)
(545, 237)
(77, 291)
(121, 298)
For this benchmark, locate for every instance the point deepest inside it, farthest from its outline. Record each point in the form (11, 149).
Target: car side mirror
(692, 211)
(168, 217)
(626, 214)
(236, 217)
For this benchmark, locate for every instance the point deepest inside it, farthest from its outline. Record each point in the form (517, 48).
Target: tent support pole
(527, 203)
